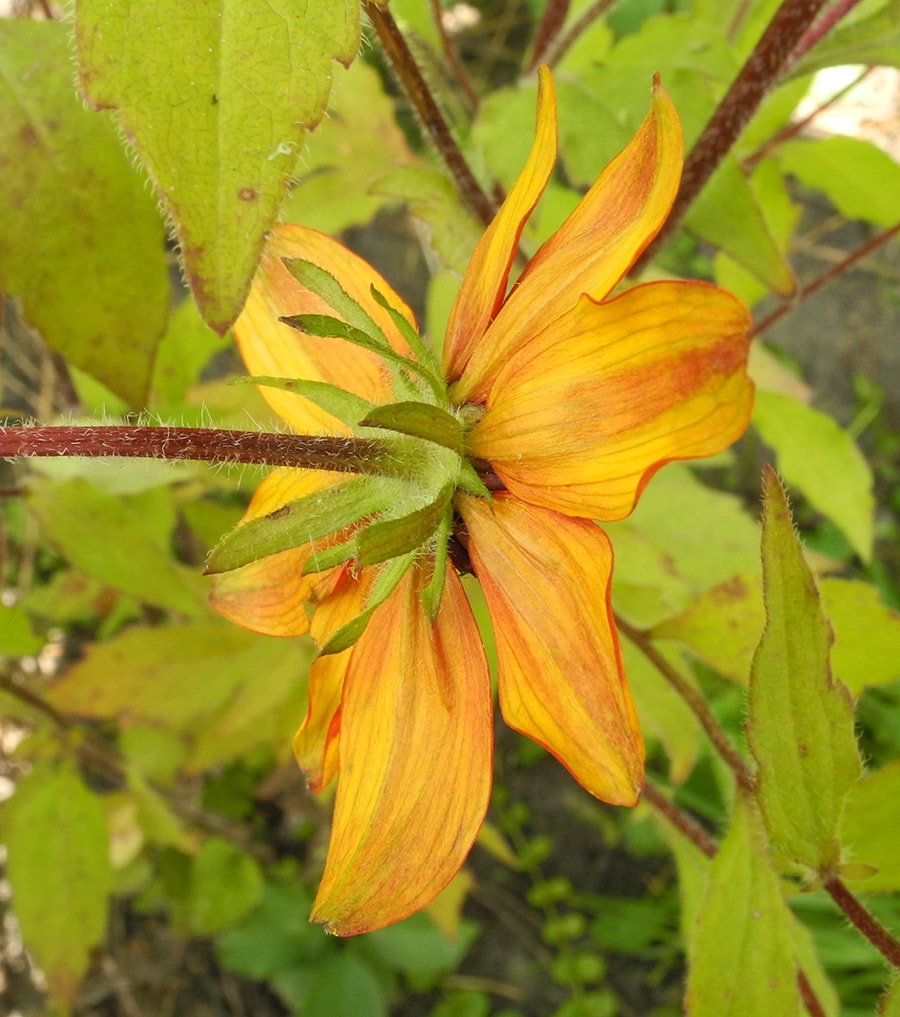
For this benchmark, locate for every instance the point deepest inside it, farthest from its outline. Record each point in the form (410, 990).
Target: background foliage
(160, 847)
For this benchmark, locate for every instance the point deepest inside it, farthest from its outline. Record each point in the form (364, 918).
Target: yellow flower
(571, 399)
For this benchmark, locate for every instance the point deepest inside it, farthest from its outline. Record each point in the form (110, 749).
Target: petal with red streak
(271, 595)
(415, 760)
(272, 349)
(316, 741)
(581, 417)
(617, 218)
(546, 582)
(484, 286)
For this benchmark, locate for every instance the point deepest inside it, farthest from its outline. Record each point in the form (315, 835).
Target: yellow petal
(276, 350)
(593, 248)
(580, 419)
(270, 595)
(316, 741)
(546, 582)
(484, 285)
(415, 761)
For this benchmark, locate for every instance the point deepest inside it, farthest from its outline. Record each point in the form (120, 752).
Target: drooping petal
(592, 250)
(270, 595)
(316, 740)
(415, 760)
(581, 417)
(484, 286)
(272, 349)
(546, 582)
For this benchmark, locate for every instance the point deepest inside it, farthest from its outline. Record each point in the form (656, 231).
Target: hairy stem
(826, 277)
(864, 920)
(695, 702)
(763, 68)
(341, 455)
(433, 120)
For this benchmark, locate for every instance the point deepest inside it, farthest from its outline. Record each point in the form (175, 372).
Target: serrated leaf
(81, 240)
(743, 964)
(823, 462)
(216, 102)
(123, 541)
(860, 180)
(872, 817)
(727, 215)
(57, 846)
(225, 883)
(800, 723)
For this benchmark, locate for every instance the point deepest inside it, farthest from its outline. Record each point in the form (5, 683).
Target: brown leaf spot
(248, 194)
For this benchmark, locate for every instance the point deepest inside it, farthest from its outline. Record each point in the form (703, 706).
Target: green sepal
(420, 420)
(385, 583)
(414, 340)
(345, 406)
(389, 538)
(329, 557)
(325, 326)
(469, 481)
(324, 285)
(300, 522)
(431, 595)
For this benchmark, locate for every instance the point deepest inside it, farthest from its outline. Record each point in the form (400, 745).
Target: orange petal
(546, 582)
(276, 350)
(580, 419)
(415, 760)
(593, 249)
(271, 595)
(316, 741)
(484, 285)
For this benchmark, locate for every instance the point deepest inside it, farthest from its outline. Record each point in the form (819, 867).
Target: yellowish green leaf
(800, 724)
(81, 240)
(871, 819)
(866, 634)
(216, 102)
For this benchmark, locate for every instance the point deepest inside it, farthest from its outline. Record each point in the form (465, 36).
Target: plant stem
(763, 67)
(450, 55)
(826, 277)
(821, 28)
(419, 94)
(341, 455)
(694, 700)
(679, 819)
(564, 42)
(864, 920)
(547, 30)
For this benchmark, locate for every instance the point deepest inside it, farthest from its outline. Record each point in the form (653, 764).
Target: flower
(568, 400)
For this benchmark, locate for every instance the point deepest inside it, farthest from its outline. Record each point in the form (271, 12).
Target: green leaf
(389, 538)
(860, 180)
(341, 404)
(300, 522)
(871, 820)
(800, 724)
(743, 964)
(58, 864)
(123, 541)
(822, 461)
(727, 215)
(872, 40)
(864, 654)
(81, 241)
(323, 284)
(418, 949)
(420, 420)
(225, 883)
(216, 102)
(184, 351)
(343, 986)
(889, 1004)
(16, 636)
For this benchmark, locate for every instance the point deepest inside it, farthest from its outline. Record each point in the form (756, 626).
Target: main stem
(341, 455)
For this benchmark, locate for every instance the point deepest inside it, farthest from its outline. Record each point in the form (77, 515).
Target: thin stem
(864, 921)
(764, 66)
(826, 277)
(419, 94)
(547, 30)
(450, 55)
(341, 455)
(567, 39)
(821, 28)
(695, 702)
(680, 820)
(808, 994)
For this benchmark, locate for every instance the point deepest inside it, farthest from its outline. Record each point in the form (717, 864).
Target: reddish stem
(547, 30)
(763, 67)
(864, 920)
(826, 277)
(680, 820)
(565, 41)
(341, 455)
(419, 94)
(453, 61)
(821, 28)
